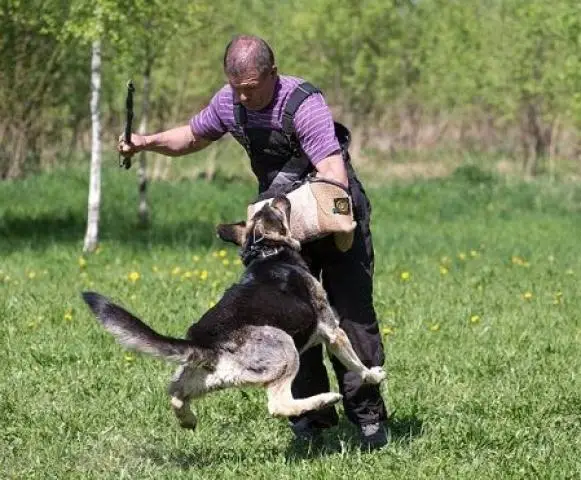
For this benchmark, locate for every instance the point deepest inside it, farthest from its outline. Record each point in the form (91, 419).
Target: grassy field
(476, 288)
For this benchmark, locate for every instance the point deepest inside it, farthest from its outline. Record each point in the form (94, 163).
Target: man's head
(249, 66)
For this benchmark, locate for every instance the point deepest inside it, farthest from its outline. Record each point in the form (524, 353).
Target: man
(288, 132)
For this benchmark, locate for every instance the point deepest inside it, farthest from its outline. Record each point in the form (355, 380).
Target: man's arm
(316, 133)
(173, 143)
(333, 168)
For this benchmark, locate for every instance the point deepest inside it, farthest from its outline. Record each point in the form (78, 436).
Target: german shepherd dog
(254, 335)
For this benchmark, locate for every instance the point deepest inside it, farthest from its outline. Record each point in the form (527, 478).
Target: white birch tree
(94, 201)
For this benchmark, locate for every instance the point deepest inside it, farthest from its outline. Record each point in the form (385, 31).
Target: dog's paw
(374, 375)
(189, 423)
(330, 398)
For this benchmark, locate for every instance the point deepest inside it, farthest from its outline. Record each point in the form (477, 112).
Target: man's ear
(232, 232)
(283, 204)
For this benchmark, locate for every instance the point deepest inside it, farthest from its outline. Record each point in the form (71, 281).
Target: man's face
(252, 90)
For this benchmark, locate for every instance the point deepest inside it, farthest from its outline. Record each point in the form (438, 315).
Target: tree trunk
(92, 235)
(143, 211)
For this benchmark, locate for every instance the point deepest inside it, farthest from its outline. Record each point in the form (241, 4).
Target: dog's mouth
(262, 240)
(265, 235)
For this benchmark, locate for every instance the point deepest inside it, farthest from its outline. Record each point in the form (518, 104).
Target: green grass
(476, 288)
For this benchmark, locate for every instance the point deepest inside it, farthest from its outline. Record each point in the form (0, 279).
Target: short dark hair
(247, 51)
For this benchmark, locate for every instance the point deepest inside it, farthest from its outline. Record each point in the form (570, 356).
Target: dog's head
(269, 225)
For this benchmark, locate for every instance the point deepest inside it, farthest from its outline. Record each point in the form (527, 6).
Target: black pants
(348, 280)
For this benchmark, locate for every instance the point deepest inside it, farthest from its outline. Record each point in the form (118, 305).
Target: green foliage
(513, 63)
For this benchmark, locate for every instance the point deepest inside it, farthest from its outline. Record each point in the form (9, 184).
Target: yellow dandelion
(68, 316)
(445, 260)
(434, 327)
(134, 276)
(195, 258)
(176, 271)
(527, 295)
(237, 262)
(82, 262)
(129, 358)
(203, 274)
(474, 318)
(443, 270)
(517, 260)
(226, 262)
(212, 303)
(474, 253)
(32, 275)
(388, 330)
(222, 253)
(462, 256)
(405, 276)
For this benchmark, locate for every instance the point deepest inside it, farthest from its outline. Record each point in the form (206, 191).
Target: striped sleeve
(207, 123)
(315, 129)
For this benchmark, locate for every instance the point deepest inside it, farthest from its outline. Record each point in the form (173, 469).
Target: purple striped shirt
(313, 120)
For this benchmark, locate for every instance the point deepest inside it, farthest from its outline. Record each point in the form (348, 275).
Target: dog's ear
(283, 204)
(232, 232)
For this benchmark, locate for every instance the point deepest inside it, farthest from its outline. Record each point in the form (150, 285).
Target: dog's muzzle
(258, 249)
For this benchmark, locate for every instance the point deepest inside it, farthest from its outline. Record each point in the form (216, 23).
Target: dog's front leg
(340, 346)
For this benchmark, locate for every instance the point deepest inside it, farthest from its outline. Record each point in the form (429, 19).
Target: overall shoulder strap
(299, 95)
(241, 119)
(298, 165)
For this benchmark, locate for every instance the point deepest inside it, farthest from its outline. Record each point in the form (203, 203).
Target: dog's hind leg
(280, 398)
(281, 402)
(268, 357)
(183, 412)
(187, 383)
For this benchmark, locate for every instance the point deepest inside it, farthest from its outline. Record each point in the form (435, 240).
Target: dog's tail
(134, 334)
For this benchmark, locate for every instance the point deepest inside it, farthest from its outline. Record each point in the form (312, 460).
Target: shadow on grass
(345, 437)
(340, 439)
(40, 231)
(201, 456)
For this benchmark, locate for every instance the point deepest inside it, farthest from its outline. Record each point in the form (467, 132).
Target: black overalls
(277, 161)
